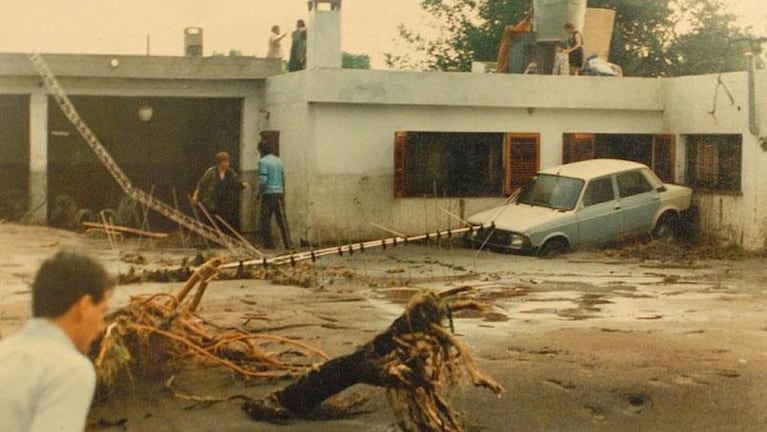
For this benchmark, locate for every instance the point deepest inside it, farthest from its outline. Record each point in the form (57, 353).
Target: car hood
(517, 218)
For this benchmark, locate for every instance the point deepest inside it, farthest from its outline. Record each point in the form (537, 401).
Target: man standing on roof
(271, 188)
(275, 43)
(47, 380)
(298, 48)
(574, 48)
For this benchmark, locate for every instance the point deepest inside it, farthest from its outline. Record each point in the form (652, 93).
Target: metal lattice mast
(205, 231)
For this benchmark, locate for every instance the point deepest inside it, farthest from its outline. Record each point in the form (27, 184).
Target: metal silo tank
(551, 16)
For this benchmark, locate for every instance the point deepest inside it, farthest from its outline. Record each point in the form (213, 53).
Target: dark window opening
(632, 183)
(714, 162)
(599, 191)
(272, 137)
(458, 164)
(655, 151)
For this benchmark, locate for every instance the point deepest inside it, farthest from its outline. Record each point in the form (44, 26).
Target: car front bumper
(500, 240)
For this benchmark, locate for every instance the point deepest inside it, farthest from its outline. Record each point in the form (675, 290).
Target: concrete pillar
(324, 35)
(249, 136)
(551, 148)
(38, 156)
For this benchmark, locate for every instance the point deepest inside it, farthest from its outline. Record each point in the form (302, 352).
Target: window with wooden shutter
(577, 147)
(714, 162)
(664, 151)
(451, 164)
(400, 141)
(523, 160)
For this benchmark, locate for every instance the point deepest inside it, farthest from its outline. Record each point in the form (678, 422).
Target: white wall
(347, 142)
(741, 217)
(337, 137)
(289, 114)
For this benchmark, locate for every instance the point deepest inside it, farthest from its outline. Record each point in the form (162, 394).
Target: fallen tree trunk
(416, 359)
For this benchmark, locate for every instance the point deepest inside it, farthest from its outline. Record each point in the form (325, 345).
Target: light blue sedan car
(584, 203)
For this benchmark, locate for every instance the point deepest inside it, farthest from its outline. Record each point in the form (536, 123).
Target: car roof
(592, 168)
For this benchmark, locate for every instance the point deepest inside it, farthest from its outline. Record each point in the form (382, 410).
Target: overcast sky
(121, 26)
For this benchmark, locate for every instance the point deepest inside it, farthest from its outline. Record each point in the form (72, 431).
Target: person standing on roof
(275, 43)
(561, 60)
(298, 48)
(574, 48)
(271, 188)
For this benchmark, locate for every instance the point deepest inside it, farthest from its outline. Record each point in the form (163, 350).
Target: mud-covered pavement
(581, 342)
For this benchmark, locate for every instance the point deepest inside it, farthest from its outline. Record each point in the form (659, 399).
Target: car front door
(599, 216)
(639, 200)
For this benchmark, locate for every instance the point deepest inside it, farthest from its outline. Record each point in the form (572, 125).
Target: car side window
(599, 191)
(632, 183)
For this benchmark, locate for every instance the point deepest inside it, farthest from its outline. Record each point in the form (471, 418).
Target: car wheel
(666, 229)
(553, 247)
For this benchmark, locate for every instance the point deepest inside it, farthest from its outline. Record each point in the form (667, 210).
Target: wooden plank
(127, 230)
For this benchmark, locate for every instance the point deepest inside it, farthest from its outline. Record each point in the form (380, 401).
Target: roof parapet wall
(144, 67)
(469, 90)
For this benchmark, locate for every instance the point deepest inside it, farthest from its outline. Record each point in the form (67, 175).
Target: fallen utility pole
(351, 248)
(204, 231)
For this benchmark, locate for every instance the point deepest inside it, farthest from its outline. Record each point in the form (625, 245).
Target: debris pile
(683, 251)
(156, 334)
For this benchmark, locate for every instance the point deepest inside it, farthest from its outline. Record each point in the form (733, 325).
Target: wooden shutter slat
(664, 159)
(400, 141)
(578, 147)
(523, 157)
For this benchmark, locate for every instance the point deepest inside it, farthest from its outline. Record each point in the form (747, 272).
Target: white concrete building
(395, 148)
(398, 148)
(198, 106)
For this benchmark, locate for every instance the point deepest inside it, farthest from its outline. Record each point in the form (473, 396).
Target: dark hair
(222, 157)
(300, 23)
(265, 148)
(569, 26)
(275, 28)
(64, 279)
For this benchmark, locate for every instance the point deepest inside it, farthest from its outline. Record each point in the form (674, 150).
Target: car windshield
(552, 191)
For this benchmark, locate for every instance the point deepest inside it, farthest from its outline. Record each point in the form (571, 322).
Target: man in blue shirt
(271, 188)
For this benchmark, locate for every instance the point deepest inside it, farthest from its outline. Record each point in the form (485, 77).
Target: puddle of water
(398, 295)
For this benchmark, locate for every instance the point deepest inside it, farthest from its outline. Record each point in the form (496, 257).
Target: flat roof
(143, 67)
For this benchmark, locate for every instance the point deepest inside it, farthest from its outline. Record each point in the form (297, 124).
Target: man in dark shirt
(219, 191)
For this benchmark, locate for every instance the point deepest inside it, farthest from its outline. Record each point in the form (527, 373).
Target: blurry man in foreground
(47, 381)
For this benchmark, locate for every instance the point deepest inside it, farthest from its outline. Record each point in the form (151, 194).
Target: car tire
(667, 228)
(553, 248)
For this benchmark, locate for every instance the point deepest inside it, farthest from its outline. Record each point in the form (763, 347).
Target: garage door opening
(14, 156)
(162, 144)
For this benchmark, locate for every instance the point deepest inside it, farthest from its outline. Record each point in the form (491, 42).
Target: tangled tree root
(416, 359)
(156, 333)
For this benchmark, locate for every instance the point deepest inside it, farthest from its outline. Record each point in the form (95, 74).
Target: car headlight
(517, 241)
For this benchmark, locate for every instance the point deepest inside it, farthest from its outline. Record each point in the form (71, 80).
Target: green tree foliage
(651, 38)
(356, 61)
(716, 44)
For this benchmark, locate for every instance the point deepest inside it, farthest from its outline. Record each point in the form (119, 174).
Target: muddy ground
(594, 340)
